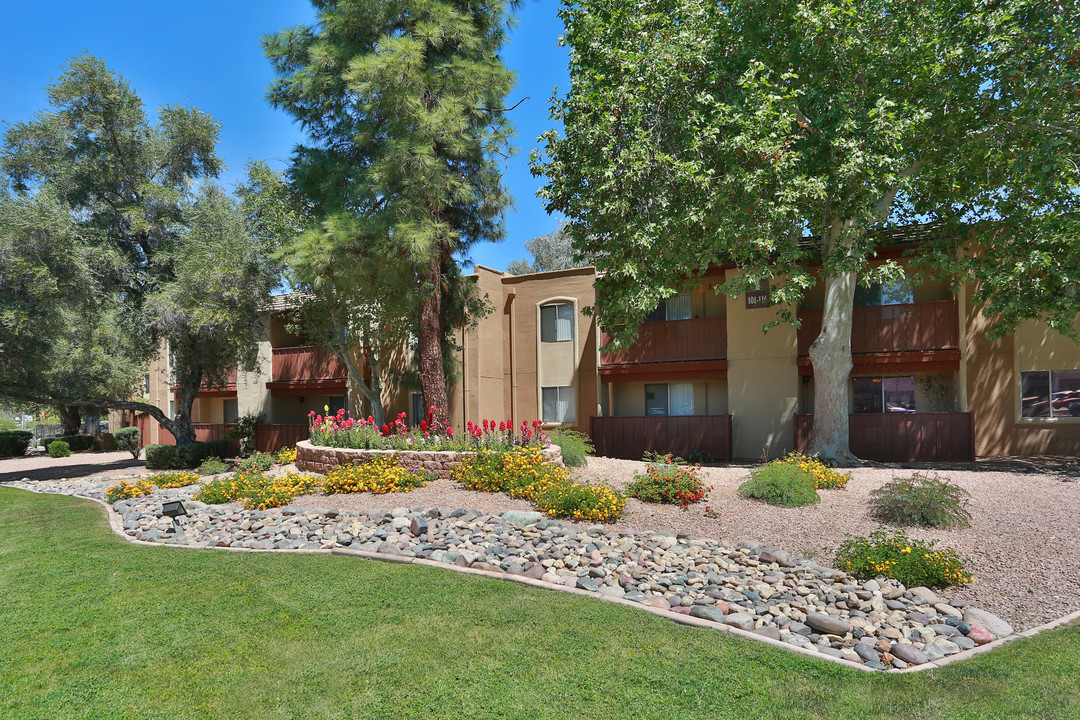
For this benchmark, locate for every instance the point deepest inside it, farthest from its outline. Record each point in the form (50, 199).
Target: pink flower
(449, 431)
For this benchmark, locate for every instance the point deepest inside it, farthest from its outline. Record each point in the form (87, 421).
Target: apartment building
(702, 378)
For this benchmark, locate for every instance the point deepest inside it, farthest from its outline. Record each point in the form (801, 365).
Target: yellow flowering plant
(174, 479)
(823, 476)
(285, 456)
(378, 476)
(909, 560)
(257, 490)
(125, 490)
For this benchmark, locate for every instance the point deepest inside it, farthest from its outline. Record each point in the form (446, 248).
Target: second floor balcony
(307, 368)
(696, 347)
(914, 327)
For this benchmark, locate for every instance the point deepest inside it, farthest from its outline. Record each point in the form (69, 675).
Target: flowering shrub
(378, 476)
(824, 477)
(285, 456)
(523, 473)
(781, 484)
(911, 561)
(257, 461)
(594, 503)
(257, 490)
(344, 431)
(666, 480)
(173, 479)
(125, 490)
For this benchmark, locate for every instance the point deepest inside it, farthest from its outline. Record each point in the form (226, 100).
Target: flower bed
(320, 459)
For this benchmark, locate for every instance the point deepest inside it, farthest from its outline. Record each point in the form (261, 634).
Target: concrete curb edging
(117, 526)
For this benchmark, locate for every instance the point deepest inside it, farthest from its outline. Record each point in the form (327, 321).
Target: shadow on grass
(57, 472)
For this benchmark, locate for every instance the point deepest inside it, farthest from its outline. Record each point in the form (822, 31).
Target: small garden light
(173, 509)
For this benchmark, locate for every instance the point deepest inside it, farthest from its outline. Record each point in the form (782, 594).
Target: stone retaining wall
(318, 459)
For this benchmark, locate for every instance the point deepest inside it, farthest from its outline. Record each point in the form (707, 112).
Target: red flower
(485, 425)
(449, 431)
(311, 414)
(502, 427)
(385, 429)
(423, 426)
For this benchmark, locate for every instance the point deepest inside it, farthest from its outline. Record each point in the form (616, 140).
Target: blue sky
(207, 55)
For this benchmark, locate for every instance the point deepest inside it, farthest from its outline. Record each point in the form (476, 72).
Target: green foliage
(183, 457)
(909, 560)
(173, 479)
(258, 461)
(77, 443)
(13, 443)
(667, 480)
(553, 251)
(256, 490)
(921, 501)
(58, 449)
(115, 241)
(213, 466)
(780, 484)
(576, 446)
(243, 431)
(128, 439)
(404, 174)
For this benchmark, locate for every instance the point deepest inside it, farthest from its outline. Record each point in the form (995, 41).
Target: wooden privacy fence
(903, 437)
(268, 437)
(631, 437)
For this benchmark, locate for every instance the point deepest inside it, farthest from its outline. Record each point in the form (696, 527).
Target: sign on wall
(758, 298)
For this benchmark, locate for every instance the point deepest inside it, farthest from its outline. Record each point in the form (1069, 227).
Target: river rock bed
(747, 585)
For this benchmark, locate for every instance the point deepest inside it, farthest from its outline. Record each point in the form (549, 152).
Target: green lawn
(94, 627)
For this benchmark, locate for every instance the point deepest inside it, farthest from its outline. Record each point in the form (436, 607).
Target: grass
(94, 627)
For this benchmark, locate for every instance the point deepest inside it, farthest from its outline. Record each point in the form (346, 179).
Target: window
(674, 308)
(558, 404)
(888, 394)
(337, 402)
(901, 292)
(416, 404)
(172, 409)
(669, 399)
(230, 410)
(556, 322)
(146, 384)
(1046, 393)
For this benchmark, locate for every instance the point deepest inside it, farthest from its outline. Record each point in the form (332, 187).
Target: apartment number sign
(759, 297)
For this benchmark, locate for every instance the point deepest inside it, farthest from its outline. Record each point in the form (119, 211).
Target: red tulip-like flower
(502, 426)
(423, 426)
(385, 429)
(449, 431)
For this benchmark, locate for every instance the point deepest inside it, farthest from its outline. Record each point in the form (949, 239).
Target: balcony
(631, 437)
(902, 437)
(307, 369)
(894, 338)
(205, 391)
(670, 349)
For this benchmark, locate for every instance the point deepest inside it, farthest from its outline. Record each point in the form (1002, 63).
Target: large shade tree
(403, 106)
(108, 251)
(783, 134)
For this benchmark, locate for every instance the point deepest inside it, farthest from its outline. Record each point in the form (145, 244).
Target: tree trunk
(180, 426)
(830, 355)
(69, 417)
(373, 394)
(432, 376)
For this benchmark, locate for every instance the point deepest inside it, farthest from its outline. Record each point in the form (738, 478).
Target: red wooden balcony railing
(903, 437)
(893, 328)
(673, 341)
(631, 437)
(306, 363)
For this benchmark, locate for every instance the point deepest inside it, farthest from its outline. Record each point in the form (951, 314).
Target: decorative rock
(707, 613)
(946, 609)
(979, 635)
(909, 654)
(997, 626)
(657, 602)
(522, 517)
(866, 652)
(739, 620)
(768, 631)
(418, 526)
(929, 597)
(830, 624)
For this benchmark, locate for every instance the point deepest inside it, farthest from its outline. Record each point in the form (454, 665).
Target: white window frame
(563, 327)
(1056, 416)
(569, 414)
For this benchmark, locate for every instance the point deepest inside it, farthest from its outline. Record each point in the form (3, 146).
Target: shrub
(13, 443)
(183, 457)
(824, 477)
(213, 466)
(243, 431)
(523, 473)
(173, 479)
(911, 561)
(780, 484)
(257, 490)
(76, 443)
(257, 461)
(666, 480)
(58, 449)
(128, 440)
(921, 501)
(285, 456)
(125, 490)
(575, 446)
(594, 503)
(378, 476)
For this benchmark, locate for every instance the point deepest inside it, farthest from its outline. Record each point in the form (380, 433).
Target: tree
(403, 106)
(782, 135)
(109, 251)
(553, 251)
